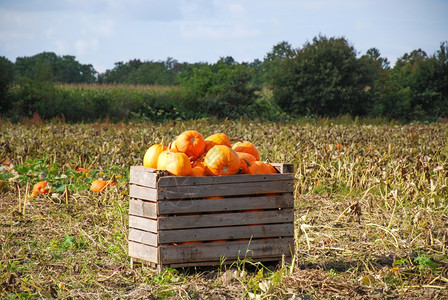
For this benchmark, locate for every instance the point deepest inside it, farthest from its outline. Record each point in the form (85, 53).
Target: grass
(371, 213)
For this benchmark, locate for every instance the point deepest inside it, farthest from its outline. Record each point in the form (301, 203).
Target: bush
(221, 90)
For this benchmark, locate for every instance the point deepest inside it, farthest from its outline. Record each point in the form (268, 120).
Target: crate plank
(143, 237)
(143, 176)
(226, 233)
(224, 262)
(246, 188)
(176, 181)
(142, 208)
(285, 200)
(143, 223)
(144, 252)
(141, 192)
(226, 219)
(264, 248)
(148, 177)
(283, 168)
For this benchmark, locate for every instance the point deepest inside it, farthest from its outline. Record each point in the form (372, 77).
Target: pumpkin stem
(236, 139)
(247, 162)
(163, 140)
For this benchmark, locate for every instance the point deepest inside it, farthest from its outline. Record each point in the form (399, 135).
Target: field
(371, 212)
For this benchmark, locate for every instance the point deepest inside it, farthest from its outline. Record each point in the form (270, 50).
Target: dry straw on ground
(371, 213)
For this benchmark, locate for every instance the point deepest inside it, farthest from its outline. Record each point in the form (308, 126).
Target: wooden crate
(196, 221)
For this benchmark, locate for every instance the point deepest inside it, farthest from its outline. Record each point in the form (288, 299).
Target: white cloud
(49, 32)
(236, 9)
(83, 46)
(61, 46)
(104, 28)
(202, 32)
(232, 23)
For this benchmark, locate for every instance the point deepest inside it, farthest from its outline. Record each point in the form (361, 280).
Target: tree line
(324, 77)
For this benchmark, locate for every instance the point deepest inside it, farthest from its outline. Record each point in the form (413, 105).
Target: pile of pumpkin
(190, 154)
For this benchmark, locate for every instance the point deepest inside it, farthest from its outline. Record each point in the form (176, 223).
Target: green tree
(323, 78)
(119, 74)
(376, 70)
(6, 79)
(273, 59)
(221, 89)
(148, 72)
(64, 69)
(419, 84)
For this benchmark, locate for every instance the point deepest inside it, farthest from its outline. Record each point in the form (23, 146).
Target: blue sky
(102, 32)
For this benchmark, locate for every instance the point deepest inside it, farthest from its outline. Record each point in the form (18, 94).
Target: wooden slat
(143, 237)
(148, 177)
(264, 248)
(142, 208)
(143, 223)
(226, 233)
(283, 168)
(226, 219)
(230, 189)
(174, 181)
(141, 192)
(285, 200)
(143, 176)
(277, 259)
(144, 252)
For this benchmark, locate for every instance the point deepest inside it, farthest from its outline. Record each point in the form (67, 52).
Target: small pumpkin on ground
(98, 185)
(40, 188)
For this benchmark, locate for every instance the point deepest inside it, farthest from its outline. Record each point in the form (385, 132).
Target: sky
(103, 32)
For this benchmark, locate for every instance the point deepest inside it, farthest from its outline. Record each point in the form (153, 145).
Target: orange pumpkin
(152, 155)
(248, 157)
(222, 160)
(191, 143)
(178, 164)
(197, 163)
(172, 147)
(98, 185)
(217, 139)
(191, 243)
(272, 168)
(214, 197)
(161, 160)
(40, 188)
(247, 147)
(257, 167)
(198, 169)
(82, 170)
